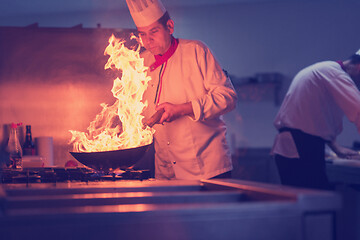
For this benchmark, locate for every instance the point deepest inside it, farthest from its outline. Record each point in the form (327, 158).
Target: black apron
(309, 170)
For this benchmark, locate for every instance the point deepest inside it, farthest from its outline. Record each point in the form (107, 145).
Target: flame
(119, 126)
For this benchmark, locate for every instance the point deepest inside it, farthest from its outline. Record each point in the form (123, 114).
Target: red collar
(342, 65)
(160, 59)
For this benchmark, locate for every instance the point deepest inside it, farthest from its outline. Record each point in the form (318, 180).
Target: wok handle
(155, 118)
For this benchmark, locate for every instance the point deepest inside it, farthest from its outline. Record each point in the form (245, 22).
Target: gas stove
(59, 174)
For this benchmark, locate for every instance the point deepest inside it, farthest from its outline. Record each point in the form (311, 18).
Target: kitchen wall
(54, 80)
(282, 36)
(247, 38)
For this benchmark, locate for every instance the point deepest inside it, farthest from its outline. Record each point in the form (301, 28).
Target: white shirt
(188, 148)
(315, 103)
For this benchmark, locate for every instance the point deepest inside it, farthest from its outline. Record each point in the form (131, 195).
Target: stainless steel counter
(209, 209)
(344, 171)
(345, 174)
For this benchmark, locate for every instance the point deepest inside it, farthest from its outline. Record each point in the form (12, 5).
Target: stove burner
(49, 175)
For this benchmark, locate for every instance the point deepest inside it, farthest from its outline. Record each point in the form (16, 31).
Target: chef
(311, 116)
(188, 84)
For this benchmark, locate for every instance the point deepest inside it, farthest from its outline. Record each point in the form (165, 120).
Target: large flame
(119, 126)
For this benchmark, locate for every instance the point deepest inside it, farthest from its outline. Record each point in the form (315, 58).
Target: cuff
(197, 109)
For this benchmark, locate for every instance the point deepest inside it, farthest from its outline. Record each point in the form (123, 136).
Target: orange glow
(112, 195)
(116, 208)
(119, 126)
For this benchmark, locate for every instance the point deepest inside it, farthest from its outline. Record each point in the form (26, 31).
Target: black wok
(111, 160)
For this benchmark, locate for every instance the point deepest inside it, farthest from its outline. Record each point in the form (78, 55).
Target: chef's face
(156, 37)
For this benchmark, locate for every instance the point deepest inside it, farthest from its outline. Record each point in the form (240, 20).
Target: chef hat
(145, 12)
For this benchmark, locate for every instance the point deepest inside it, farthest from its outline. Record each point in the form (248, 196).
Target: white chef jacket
(191, 148)
(315, 103)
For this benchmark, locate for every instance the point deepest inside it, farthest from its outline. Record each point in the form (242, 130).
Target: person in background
(310, 117)
(189, 86)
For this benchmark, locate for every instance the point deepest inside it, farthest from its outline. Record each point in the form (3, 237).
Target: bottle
(28, 147)
(14, 148)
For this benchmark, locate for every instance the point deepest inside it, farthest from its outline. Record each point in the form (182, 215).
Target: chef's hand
(343, 152)
(174, 111)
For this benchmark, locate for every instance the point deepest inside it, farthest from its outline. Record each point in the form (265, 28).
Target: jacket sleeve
(346, 96)
(220, 96)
